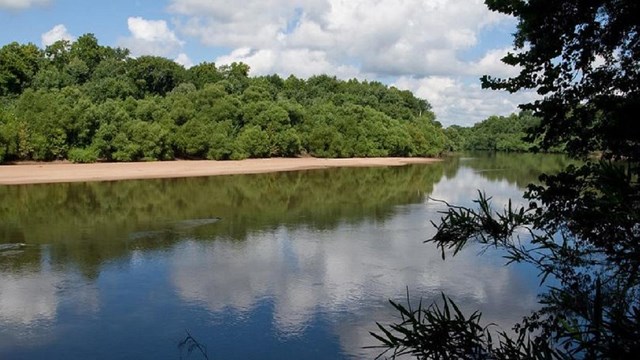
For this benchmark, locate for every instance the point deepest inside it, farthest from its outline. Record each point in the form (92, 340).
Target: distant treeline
(497, 133)
(86, 102)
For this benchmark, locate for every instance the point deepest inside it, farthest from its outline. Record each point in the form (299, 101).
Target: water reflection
(31, 295)
(295, 264)
(348, 272)
(91, 223)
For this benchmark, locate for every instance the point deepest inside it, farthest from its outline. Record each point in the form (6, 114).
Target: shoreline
(47, 173)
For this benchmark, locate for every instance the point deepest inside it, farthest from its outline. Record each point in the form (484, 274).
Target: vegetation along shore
(85, 102)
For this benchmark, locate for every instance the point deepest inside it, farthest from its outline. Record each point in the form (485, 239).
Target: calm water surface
(289, 265)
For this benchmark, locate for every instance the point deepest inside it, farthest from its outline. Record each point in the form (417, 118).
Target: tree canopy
(582, 56)
(86, 102)
(496, 133)
(582, 226)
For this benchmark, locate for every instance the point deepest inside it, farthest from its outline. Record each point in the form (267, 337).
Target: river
(271, 266)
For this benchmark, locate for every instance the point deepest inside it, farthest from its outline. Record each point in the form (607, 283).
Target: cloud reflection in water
(350, 272)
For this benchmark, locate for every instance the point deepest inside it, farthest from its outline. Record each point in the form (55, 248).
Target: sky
(438, 49)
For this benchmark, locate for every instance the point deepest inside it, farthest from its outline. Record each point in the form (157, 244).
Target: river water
(270, 266)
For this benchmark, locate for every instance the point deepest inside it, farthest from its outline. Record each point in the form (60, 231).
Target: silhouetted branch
(191, 344)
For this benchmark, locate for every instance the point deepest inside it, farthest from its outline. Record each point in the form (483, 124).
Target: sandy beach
(42, 173)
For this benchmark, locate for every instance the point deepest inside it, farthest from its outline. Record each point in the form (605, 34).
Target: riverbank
(42, 173)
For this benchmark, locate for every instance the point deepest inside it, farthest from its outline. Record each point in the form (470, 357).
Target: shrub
(83, 156)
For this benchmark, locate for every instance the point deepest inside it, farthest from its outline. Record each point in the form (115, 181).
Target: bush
(83, 156)
(253, 142)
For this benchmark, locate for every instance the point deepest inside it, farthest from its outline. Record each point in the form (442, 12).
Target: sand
(41, 173)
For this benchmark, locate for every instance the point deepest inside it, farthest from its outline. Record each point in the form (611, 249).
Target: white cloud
(151, 30)
(184, 60)
(151, 37)
(458, 102)
(21, 4)
(58, 32)
(301, 62)
(385, 37)
(381, 39)
(492, 64)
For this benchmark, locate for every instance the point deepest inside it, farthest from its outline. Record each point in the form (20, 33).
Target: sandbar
(62, 172)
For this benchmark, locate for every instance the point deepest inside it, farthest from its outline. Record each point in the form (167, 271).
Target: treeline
(496, 133)
(86, 102)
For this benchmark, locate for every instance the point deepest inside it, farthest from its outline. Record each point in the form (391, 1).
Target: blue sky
(436, 48)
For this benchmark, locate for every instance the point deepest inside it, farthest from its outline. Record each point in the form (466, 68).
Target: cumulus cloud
(251, 23)
(461, 102)
(491, 64)
(151, 37)
(383, 39)
(58, 32)
(21, 4)
(301, 62)
(184, 60)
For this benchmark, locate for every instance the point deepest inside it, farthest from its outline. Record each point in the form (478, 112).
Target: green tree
(252, 142)
(582, 226)
(221, 141)
(203, 74)
(116, 88)
(5, 134)
(498, 133)
(58, 53)
(255, 93)
(110, 67)
(94, 99)
(193, 138)
(108, 117)
(236, 75)
(286, 143)
(155, 75)
(152, 139)
(46, 127)
(397, 141)
(77, 70)
(87, 50)
(50, 78)
(455, 138)
(18, 66)
(294, 89)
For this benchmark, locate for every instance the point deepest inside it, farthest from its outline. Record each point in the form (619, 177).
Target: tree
(87, 50)
(156, 75)
(18, 66)
(237, 76)
(582, 226)
(582, 56)
(102, 104)
(77, 70)
(496, 133)
(252, 142)
(193, 138)
(4, 134)
(221, 141)
(58, 53)
(203, 74)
